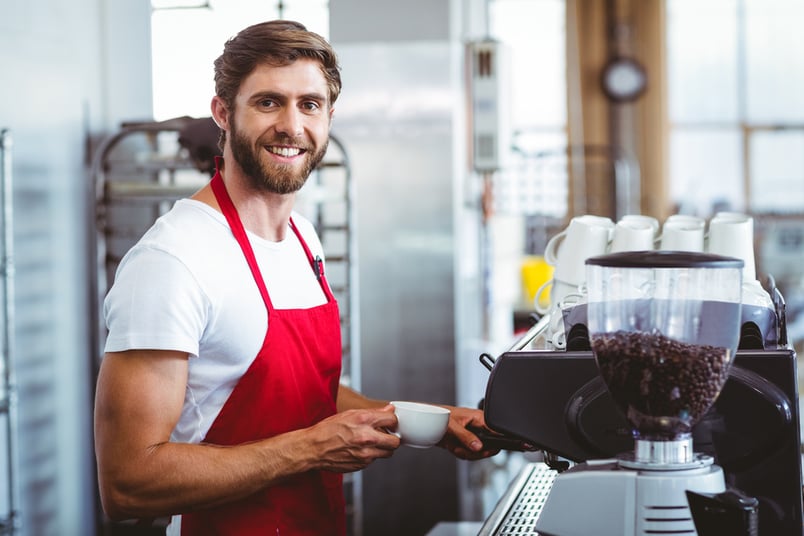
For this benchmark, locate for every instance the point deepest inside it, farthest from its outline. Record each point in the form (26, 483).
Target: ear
(219, 113)
(331, 114)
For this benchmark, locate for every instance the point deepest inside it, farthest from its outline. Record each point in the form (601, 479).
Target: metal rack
(331, 210)
(137, 175)
(10, 520)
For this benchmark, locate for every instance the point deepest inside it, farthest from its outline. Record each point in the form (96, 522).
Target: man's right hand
(350, 440)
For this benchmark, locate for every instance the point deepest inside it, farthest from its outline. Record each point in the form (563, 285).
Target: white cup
(559, 291)
(585, 236)
(633, 235)
(732, 234)
(420, 425)
(648, 220)
(556, 334)
(683, 233)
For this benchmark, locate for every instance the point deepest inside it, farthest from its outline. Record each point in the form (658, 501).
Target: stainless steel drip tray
(519, 507)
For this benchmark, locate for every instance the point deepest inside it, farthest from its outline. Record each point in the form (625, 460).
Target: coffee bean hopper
(649, 445)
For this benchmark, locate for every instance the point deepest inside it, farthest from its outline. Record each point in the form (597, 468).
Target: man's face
(279, 129)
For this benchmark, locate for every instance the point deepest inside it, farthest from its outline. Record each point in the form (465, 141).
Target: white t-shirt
(186, 286)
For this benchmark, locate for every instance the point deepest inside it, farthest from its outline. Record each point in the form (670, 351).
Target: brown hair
(276, 42)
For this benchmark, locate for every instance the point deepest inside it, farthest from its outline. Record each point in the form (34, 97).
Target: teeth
(285, 151)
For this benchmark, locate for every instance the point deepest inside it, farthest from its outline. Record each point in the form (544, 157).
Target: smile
(284, 151)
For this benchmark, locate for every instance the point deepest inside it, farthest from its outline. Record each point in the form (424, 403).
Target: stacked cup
(634, 232)
(681, 232)
(585, 236)
(731, 234)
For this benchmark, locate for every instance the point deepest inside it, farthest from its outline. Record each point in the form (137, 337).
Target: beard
(273, 177)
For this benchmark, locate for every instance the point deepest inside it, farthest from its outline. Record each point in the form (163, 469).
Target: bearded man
(218, 400)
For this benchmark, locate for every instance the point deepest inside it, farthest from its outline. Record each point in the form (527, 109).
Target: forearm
(350, 399)
(171, 478)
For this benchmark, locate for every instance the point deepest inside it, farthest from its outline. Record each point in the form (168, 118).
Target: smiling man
(218, 400)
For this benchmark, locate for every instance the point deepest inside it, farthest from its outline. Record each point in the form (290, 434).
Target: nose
(290, 122)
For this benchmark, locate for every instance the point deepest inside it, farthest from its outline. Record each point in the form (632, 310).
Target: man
(188, 422)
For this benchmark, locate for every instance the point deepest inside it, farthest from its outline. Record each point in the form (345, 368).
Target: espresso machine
(673, 408)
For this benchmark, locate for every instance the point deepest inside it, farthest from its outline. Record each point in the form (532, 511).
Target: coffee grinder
(664, 327)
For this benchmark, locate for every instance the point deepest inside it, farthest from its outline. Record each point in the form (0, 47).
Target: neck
(263, 213)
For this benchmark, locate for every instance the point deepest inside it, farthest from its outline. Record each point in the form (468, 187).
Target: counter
(458, 528)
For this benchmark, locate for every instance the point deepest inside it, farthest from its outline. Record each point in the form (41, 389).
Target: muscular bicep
(138, 402)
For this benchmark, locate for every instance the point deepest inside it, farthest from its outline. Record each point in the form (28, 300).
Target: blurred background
(467, 134)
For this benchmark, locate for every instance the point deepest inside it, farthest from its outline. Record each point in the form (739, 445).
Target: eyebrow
(281, 97)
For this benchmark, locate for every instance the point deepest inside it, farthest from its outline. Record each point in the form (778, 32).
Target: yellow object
(535, 273)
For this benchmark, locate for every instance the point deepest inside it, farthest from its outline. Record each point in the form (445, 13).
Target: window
(736, 105)
(188, 35)
(534, 32)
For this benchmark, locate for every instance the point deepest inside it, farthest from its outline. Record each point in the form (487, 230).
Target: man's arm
(458, 439)
(141, 474)
(348, 399)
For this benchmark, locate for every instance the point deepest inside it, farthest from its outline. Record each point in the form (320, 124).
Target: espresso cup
(633, 235)
(420, 425)
(647, 220)
(585, 236)
(731, 234)
(683, 233)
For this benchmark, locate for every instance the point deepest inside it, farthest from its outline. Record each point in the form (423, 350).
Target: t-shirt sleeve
(155, 303)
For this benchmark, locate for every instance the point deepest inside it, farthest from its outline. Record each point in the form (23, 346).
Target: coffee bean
(663, 386)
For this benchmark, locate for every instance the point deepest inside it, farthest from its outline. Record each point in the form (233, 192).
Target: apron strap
(239, 232)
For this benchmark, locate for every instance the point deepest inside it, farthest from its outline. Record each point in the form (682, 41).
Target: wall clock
(624, 79)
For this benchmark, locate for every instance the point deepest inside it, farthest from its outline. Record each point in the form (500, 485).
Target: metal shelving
(10, 519)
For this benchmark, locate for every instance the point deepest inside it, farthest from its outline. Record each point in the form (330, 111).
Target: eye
(310, 106)
(266, 103)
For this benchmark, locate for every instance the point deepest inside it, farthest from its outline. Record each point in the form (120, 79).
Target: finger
(467, 439)
(387, 440)
(383, 419)
(462, 453)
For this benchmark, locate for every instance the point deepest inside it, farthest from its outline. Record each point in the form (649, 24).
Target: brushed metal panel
(396, 120)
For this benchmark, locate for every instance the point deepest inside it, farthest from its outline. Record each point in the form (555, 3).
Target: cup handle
(550, 256)
(573, 298)
(558, 338)
(537, 297)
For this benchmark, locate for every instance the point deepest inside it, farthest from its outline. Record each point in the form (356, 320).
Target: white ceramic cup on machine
(641, 218)
(732, 234)
(683, 233)
(633, 234)
(585, 236)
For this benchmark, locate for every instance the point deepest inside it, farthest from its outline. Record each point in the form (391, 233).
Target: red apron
(291, 384)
